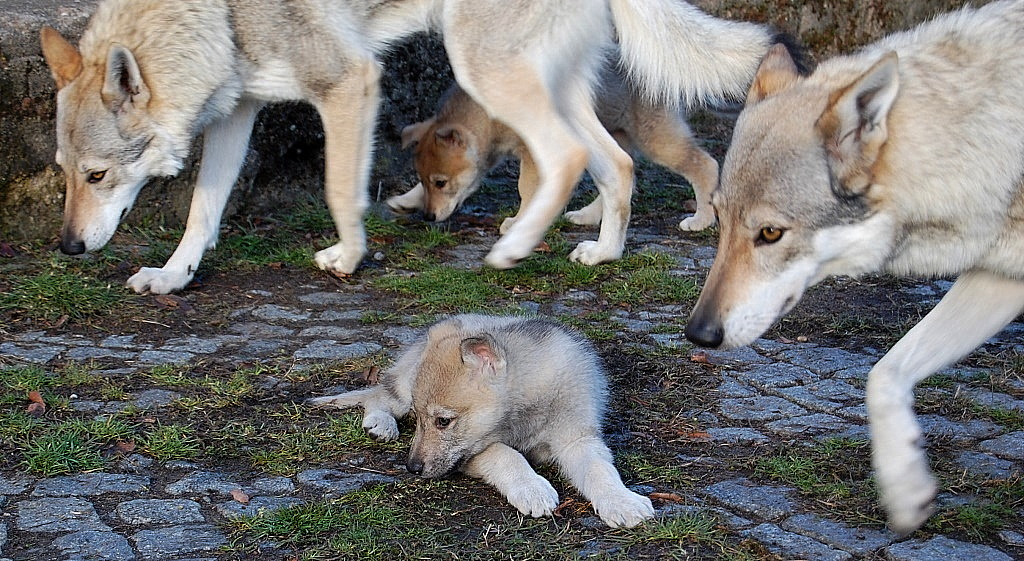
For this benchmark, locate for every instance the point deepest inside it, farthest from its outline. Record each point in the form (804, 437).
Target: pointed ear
(63, 58)
(777, 72)
(482, 355)
(452, 136)
(123, 86)
(854, 124)
(413, 133)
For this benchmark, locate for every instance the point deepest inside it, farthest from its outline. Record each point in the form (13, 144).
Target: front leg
(528, 181)
(225, 144)
(587, 462)
(505, 469)
(977, 306)
(408, 202)
(348, 111)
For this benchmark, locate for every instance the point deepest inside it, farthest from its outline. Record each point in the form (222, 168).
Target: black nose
(72, 246)
(429, 216)
(705, 334)
(414, 466)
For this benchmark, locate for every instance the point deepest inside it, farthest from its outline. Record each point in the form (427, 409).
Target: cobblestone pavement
(138, 509)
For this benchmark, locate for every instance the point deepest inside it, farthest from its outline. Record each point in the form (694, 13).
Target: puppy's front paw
(593, 253)
(624, 510)
(697, 222)
(158, 281)
(534, 496)
(381, 426)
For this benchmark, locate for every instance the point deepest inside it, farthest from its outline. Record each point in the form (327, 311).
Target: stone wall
(286, 154)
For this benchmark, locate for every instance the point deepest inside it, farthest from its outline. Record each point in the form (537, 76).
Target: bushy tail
(672, 50)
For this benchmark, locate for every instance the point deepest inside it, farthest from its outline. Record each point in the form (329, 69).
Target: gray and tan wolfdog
(489, 392)
(149, 75)
(458, 146)
(906, 157)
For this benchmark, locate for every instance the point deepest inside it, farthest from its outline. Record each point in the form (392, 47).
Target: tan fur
(907, 157)
(454, 149)
(489, 394)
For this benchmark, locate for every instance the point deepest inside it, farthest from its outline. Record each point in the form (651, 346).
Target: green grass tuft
(54, 294)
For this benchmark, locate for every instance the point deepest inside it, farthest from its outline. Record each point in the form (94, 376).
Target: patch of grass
(834, 470)
(639, 468)
(55, 293)
(75, 374)
(361, 525)
(698, 526)
(171, 375)
(441, 289)
(171, 442)
(25, 379)
(15, 425)
(62, 451)
(994, 506)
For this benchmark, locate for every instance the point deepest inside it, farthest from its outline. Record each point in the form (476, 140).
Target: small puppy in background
(488, 393)
(457, 147)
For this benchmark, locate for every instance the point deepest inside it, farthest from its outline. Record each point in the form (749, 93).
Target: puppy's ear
(413, 133)
(453, 136)
(854, 125)
(62, 57)
(482, 355)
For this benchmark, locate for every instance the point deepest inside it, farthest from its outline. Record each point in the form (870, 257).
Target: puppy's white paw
(381, 426)
(534, 496)
(339, 258)
(623, 510)
(584, 217)
(697, 222)
(593, 253)
(158, 281)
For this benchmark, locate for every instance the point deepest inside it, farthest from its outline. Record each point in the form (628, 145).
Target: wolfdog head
(107, 143)
(798, 196)
(456, 399)
(447, 165)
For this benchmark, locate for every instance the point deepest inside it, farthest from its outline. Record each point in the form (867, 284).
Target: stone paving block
(776, 375)
(743, 495)
(270, 486)
(198, 345)
(330, 332)
(273, 312)
(404, 335)
(803, 397)
(58, 515)
(994, 400)
(972, 429)
(255, 506)
(90, 545)
(3, 535)
(257, 329)
(1010, 446)
(90, 484)
(91, 353)
(122, 342)
(941, 548)
(140, 512)
(347, 315)
(36, 354)
(335, 299)
(825, 360)
(836, 390)
(165, 357)
(736, 435)
(739, 356)
(793, 546)
(987, 465)
(815, 424)
(858, 541)
(335, 483)
(14, 484)
(767, 408)
(730, 387)
(332, 350)
(199, 482)
(152, 399)
(178, 541)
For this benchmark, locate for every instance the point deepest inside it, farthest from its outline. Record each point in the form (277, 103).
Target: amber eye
(96, 176)
(770, 234)
(442, 422)
(440, 183)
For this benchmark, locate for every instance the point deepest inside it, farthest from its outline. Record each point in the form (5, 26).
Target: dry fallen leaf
(543, 247)
(37, 406)
(240, 496)
(666, 497)
(6, 250)
(173, 302)
(700, 357)
(371, 375)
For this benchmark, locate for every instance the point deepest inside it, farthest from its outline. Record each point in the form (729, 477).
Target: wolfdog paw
(593, 253)
(339, 259)
(381, 426)
(697, 222)
(584, 216)
(909, 501)
(400, 204)
(534, 497)
(506, 224)
(504, 255)
(624, 510)
(158, 281)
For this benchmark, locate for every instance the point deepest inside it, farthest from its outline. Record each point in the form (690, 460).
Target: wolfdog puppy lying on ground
(488, 393)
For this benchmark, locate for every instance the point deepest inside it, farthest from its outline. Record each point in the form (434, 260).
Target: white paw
(158, 281)
(534, 497)
(381, 426)
(506, 224)
(402, 205)
(593, 253)
(697, 222)
(583, 217)
(623, 510)
(908, 497)
(507, 254)
(339, 258)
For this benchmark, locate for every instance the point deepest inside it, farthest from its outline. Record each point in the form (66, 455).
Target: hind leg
(348, 111)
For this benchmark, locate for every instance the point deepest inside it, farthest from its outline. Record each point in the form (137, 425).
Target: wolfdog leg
(225, 143)
(380, 409)
(528, 180)
(587, 463)
(507, 470)
(612, 170)
(348, 112)
(977, 306)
